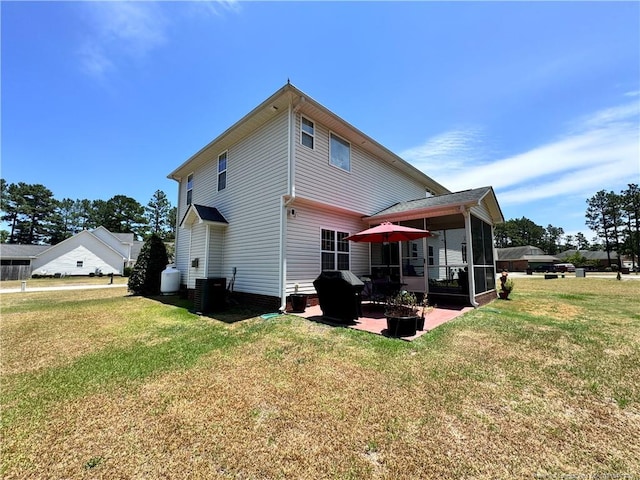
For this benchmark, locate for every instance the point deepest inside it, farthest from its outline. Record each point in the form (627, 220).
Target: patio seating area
(373, 319)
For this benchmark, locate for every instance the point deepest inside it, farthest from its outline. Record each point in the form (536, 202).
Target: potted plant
(506, 285)
(298, 301)
(403, 314)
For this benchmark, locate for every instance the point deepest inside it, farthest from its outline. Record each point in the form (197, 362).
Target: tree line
(615, 217)
(35, 216)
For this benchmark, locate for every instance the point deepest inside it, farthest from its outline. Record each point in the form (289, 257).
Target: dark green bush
(147, 272)
(127, 271)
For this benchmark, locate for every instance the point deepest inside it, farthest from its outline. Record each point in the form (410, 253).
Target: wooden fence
(15, 272)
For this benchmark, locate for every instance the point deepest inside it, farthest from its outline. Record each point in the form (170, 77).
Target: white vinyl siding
(303, 251)
(256, 178)
(198, 240)
(216, 251)
(84, 247)
(371, 186)
(107, 237)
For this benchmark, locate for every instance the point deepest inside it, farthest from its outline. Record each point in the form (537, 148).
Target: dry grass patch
(499, 393)
(54, 329)
(65, 281)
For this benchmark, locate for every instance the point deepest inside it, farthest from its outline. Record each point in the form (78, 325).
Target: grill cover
(339, 295)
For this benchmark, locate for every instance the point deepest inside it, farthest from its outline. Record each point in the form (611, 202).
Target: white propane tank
(170, 280)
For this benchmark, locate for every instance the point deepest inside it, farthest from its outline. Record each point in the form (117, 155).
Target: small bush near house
(146, 275)
(127, 271)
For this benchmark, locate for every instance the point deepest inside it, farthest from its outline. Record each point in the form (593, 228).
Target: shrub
(147, 273)
(127, 271)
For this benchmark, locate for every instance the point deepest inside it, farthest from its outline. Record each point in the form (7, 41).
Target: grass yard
(97, 384)
(64, 282)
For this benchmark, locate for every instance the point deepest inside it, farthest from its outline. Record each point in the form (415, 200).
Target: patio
(374, 321)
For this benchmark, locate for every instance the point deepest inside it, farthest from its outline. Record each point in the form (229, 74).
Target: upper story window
(334, 250)
(222, 171)
(189, 189)
(339, 152)
(79, 263)
(307, 132)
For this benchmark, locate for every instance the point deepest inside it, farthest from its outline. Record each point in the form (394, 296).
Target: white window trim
(302, 132)
(226, 168)
(350, 149)
(335, 252)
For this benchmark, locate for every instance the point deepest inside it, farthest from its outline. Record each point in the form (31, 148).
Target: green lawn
(62, 282)
(98, 384)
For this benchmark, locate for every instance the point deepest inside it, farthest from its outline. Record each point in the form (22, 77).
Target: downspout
(471, 277)
(291, 196)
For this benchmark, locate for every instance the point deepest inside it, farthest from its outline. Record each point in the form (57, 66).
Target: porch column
(471, 276)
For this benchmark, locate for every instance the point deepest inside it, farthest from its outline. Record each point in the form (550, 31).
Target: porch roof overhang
(201, 214)
(440, 205)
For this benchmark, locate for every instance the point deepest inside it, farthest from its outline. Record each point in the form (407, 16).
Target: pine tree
(147, 272)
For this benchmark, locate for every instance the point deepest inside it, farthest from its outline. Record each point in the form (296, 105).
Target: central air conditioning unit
(209, 295)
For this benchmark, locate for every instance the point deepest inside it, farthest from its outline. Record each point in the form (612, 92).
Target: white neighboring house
(87, 252)
(270, 200)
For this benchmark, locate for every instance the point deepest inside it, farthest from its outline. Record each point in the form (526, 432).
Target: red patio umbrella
(388, 232)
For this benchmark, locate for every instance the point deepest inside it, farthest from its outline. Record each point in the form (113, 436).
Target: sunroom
(456, 264)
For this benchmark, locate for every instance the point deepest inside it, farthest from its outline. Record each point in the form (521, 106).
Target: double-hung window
(189, 189)
(222, 171)
(335, 250)
(339, 152)
(307, 132)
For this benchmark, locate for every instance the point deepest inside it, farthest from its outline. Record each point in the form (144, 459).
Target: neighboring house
(16, 260)
(87, 252)
(596, 258)
(269, 202)
(519, 259)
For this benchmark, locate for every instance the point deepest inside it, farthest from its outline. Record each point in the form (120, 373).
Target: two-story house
(269, 203)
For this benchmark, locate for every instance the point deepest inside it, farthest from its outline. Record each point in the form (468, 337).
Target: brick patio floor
(374, 321)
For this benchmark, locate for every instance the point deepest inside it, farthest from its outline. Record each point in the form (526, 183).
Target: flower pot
(402, 326)
(298, 303)
(420, 324)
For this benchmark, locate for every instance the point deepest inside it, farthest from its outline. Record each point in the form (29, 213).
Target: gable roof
(88, 234)
(284, 98)
(13, 250)
(203, 214)
(124, 237)
(465, 198)
(589, 254)
(135, 250)
(518, 253)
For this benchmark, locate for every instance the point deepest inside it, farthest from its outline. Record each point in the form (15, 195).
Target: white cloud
(120, 31)
(448, 153)
(601, 149)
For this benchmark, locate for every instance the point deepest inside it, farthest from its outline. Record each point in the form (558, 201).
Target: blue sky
(539, 99)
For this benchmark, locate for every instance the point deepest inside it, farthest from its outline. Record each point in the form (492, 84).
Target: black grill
(339, 295)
